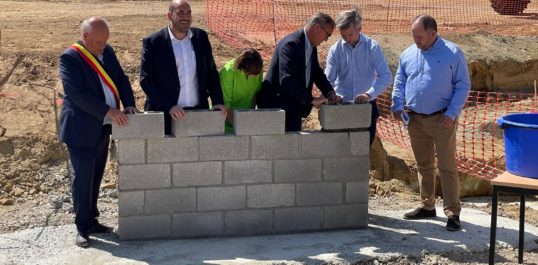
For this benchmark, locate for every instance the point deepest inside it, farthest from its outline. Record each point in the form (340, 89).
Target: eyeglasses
(326, 32)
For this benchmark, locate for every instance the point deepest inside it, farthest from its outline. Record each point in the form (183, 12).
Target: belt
(427, 115)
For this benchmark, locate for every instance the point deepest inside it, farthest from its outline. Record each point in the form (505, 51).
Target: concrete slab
(387, 235)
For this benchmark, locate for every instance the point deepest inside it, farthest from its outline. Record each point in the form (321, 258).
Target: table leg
(493, 228)
(521, 227)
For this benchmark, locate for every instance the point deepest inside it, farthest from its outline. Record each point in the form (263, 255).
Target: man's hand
(362, 98)
(446, 122)
(333, 99)
(130, 110)
(119, 118)
(397, 115)
(317, 102)
(177, 112)
(222, 108)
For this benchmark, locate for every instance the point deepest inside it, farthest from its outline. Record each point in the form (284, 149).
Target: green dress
(238, 90)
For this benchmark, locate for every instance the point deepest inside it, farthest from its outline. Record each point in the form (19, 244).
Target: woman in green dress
(241, 79)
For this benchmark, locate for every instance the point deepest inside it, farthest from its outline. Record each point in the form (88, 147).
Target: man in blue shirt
(431, 85)
(356, 66)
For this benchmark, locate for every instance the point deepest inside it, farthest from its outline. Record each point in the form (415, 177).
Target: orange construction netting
(261, 24)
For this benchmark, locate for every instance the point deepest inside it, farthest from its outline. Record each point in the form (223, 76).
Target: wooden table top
(508, 179)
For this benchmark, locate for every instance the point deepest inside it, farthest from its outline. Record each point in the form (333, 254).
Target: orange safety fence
(480, 148)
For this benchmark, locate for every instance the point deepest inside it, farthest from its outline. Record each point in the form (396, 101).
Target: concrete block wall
(234, 185)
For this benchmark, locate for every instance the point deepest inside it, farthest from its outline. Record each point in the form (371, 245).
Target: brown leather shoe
(420, 213)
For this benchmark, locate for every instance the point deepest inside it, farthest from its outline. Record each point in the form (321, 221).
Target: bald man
(178, 71)
(94, 87)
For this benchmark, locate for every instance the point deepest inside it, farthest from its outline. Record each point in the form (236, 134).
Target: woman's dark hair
(250, 62)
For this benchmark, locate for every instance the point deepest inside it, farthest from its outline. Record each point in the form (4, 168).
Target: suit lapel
(302, 43)
(169, 55)
(198, 53)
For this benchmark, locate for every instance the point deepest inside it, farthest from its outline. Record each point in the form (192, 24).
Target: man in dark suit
(178, 71)
(294, 69)
(94, 83)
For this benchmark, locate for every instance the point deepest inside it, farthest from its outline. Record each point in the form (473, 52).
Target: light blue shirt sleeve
(384, 76)
(431, 80)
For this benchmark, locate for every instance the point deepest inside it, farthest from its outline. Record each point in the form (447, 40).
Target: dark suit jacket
(84, 106)
(285, 85)
(158, 72)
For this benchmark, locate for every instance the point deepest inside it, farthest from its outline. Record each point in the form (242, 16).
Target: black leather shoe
(453, 223)
(420, 213)
(82, 240)
(99, 228)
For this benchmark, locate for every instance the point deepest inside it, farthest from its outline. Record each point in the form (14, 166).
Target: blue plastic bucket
(521, 143)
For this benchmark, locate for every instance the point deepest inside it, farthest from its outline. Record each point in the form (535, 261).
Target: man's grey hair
(321, 19)
(87, 25)
(349, 18)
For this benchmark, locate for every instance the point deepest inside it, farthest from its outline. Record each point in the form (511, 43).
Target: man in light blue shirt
(431, 85)
(356, 66)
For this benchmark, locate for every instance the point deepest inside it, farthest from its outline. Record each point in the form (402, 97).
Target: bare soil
(34, 176)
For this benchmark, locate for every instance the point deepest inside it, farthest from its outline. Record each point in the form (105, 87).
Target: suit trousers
(428, 140)
(375, 116)
(88, 166)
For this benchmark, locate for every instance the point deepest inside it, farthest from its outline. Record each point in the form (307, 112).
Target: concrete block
(141, 126)
(249, 222)
(360, 143)
(298, 219)
(323, 144)
(357, 192)
(197, 174)
(346, 216)
(170, 201)
(346, 169)
(199, 123)
(221, 198)
(345, 116)
(130, 203)
(168, 150)
(259, 121)
(297, 170)
(270, 195)
(246, 172)
(197, 224)
(319, 193)
(228, 147)
(148, 176)
(132, 151)
(144, 227)
(275, 146)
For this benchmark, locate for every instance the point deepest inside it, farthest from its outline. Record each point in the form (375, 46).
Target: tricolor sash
(96, 66)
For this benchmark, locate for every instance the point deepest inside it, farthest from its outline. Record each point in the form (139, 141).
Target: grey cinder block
(270, 195)
(346, 169)
(197, 224)
(130, 203)
(228, 147)
(139, 126)
(298, 219)
(259, 121)
(345, 116)
(144, 227)
(324, 144)
(275, 146)
(199, 123)
(319, 193)
(197, 174)
(360, 143)
(148, 176)
(221, 198)
(170, 200)
(357, 192)
(172, 150)
(132, 151)
(248, 171)
(297, 170)
(248, 222)
(346, 216)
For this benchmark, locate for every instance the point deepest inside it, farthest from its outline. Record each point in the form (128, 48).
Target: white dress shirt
(109, 96)
(186, 70)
